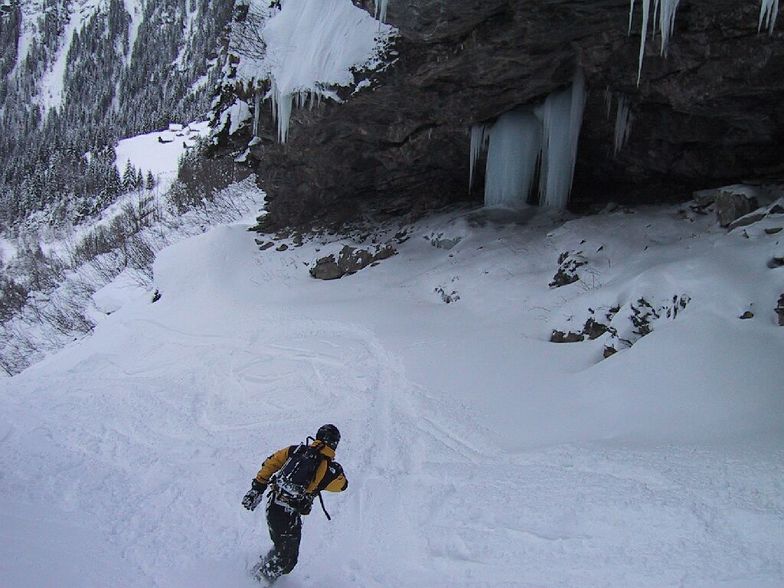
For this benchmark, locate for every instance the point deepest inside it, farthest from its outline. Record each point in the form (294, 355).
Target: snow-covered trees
(122, 75)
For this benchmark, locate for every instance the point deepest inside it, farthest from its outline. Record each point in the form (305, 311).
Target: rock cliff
(708, 113)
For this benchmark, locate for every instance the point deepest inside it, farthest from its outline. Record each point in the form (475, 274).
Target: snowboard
(256, 574)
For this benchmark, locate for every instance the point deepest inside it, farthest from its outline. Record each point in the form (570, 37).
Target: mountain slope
(478, 453)
(75, 76)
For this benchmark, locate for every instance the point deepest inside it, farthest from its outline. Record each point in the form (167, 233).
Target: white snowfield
(478, 453)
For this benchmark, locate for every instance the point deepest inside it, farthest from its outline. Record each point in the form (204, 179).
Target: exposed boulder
(447, 297)
(349, 261)
(707, 114)
(592, 329)
(734, 203)
(776, 261)
(624, 325)
(566, 337)
(568, 264)
(780, 311)
(749, 218)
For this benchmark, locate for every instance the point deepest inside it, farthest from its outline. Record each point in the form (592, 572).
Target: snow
(478, 453)
(236, 115)
(52, 84)
(7, 248)
(191, 20)
(134, 10)
(30, 12)
(146, 152)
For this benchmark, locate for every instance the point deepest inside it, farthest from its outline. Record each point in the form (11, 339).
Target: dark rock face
(708, 114)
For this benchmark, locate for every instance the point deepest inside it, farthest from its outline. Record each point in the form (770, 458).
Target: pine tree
(128, 177)
(149, 181)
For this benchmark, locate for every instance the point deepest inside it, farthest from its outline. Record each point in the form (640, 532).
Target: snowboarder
(295, 475)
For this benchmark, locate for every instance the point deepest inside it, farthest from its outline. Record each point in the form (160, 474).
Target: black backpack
(292, 480)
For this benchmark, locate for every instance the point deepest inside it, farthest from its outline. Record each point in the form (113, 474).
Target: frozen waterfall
(562, 117)
(381, 9)
(528, 140)
(769, 10)
(512, 154)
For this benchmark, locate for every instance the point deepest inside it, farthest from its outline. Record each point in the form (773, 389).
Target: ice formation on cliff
(665, 11)
(311, 48)
(530, 139)
(769, 10)
(623, 120)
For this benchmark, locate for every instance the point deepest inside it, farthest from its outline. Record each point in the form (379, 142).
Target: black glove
(252, 499)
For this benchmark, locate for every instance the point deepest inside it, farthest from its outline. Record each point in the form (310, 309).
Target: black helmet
(330, 435)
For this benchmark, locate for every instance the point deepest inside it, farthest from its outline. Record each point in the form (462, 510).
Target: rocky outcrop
(568, 264)
(349, 261)
(623, 325)
(780, 310)
(708, 114)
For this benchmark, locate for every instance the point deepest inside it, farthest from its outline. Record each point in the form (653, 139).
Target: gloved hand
(252, 499)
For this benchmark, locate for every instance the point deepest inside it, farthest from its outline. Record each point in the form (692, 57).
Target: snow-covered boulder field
(479, 452)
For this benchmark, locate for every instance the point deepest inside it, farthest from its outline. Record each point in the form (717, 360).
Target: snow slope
(159, 152)
(478, 453)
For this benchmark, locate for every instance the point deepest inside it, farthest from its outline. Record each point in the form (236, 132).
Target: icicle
(663, 15)
(281, 110)
(315, 46)
(562, 117)
(256, 112)
(608, 101)
(381, 9)
(512, 155)
(667, 10)
(623, 121)
(273, 96)
(479, 137)
(769, 10)
(646, 9)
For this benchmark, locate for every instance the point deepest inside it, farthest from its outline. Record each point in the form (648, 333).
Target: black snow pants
(285, 529)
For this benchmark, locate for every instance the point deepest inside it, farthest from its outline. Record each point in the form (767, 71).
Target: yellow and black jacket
(329, 474)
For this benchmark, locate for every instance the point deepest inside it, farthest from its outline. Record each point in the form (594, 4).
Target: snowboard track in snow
(137, 444)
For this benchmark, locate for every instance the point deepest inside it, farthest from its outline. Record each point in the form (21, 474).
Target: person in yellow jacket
(295, 475)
